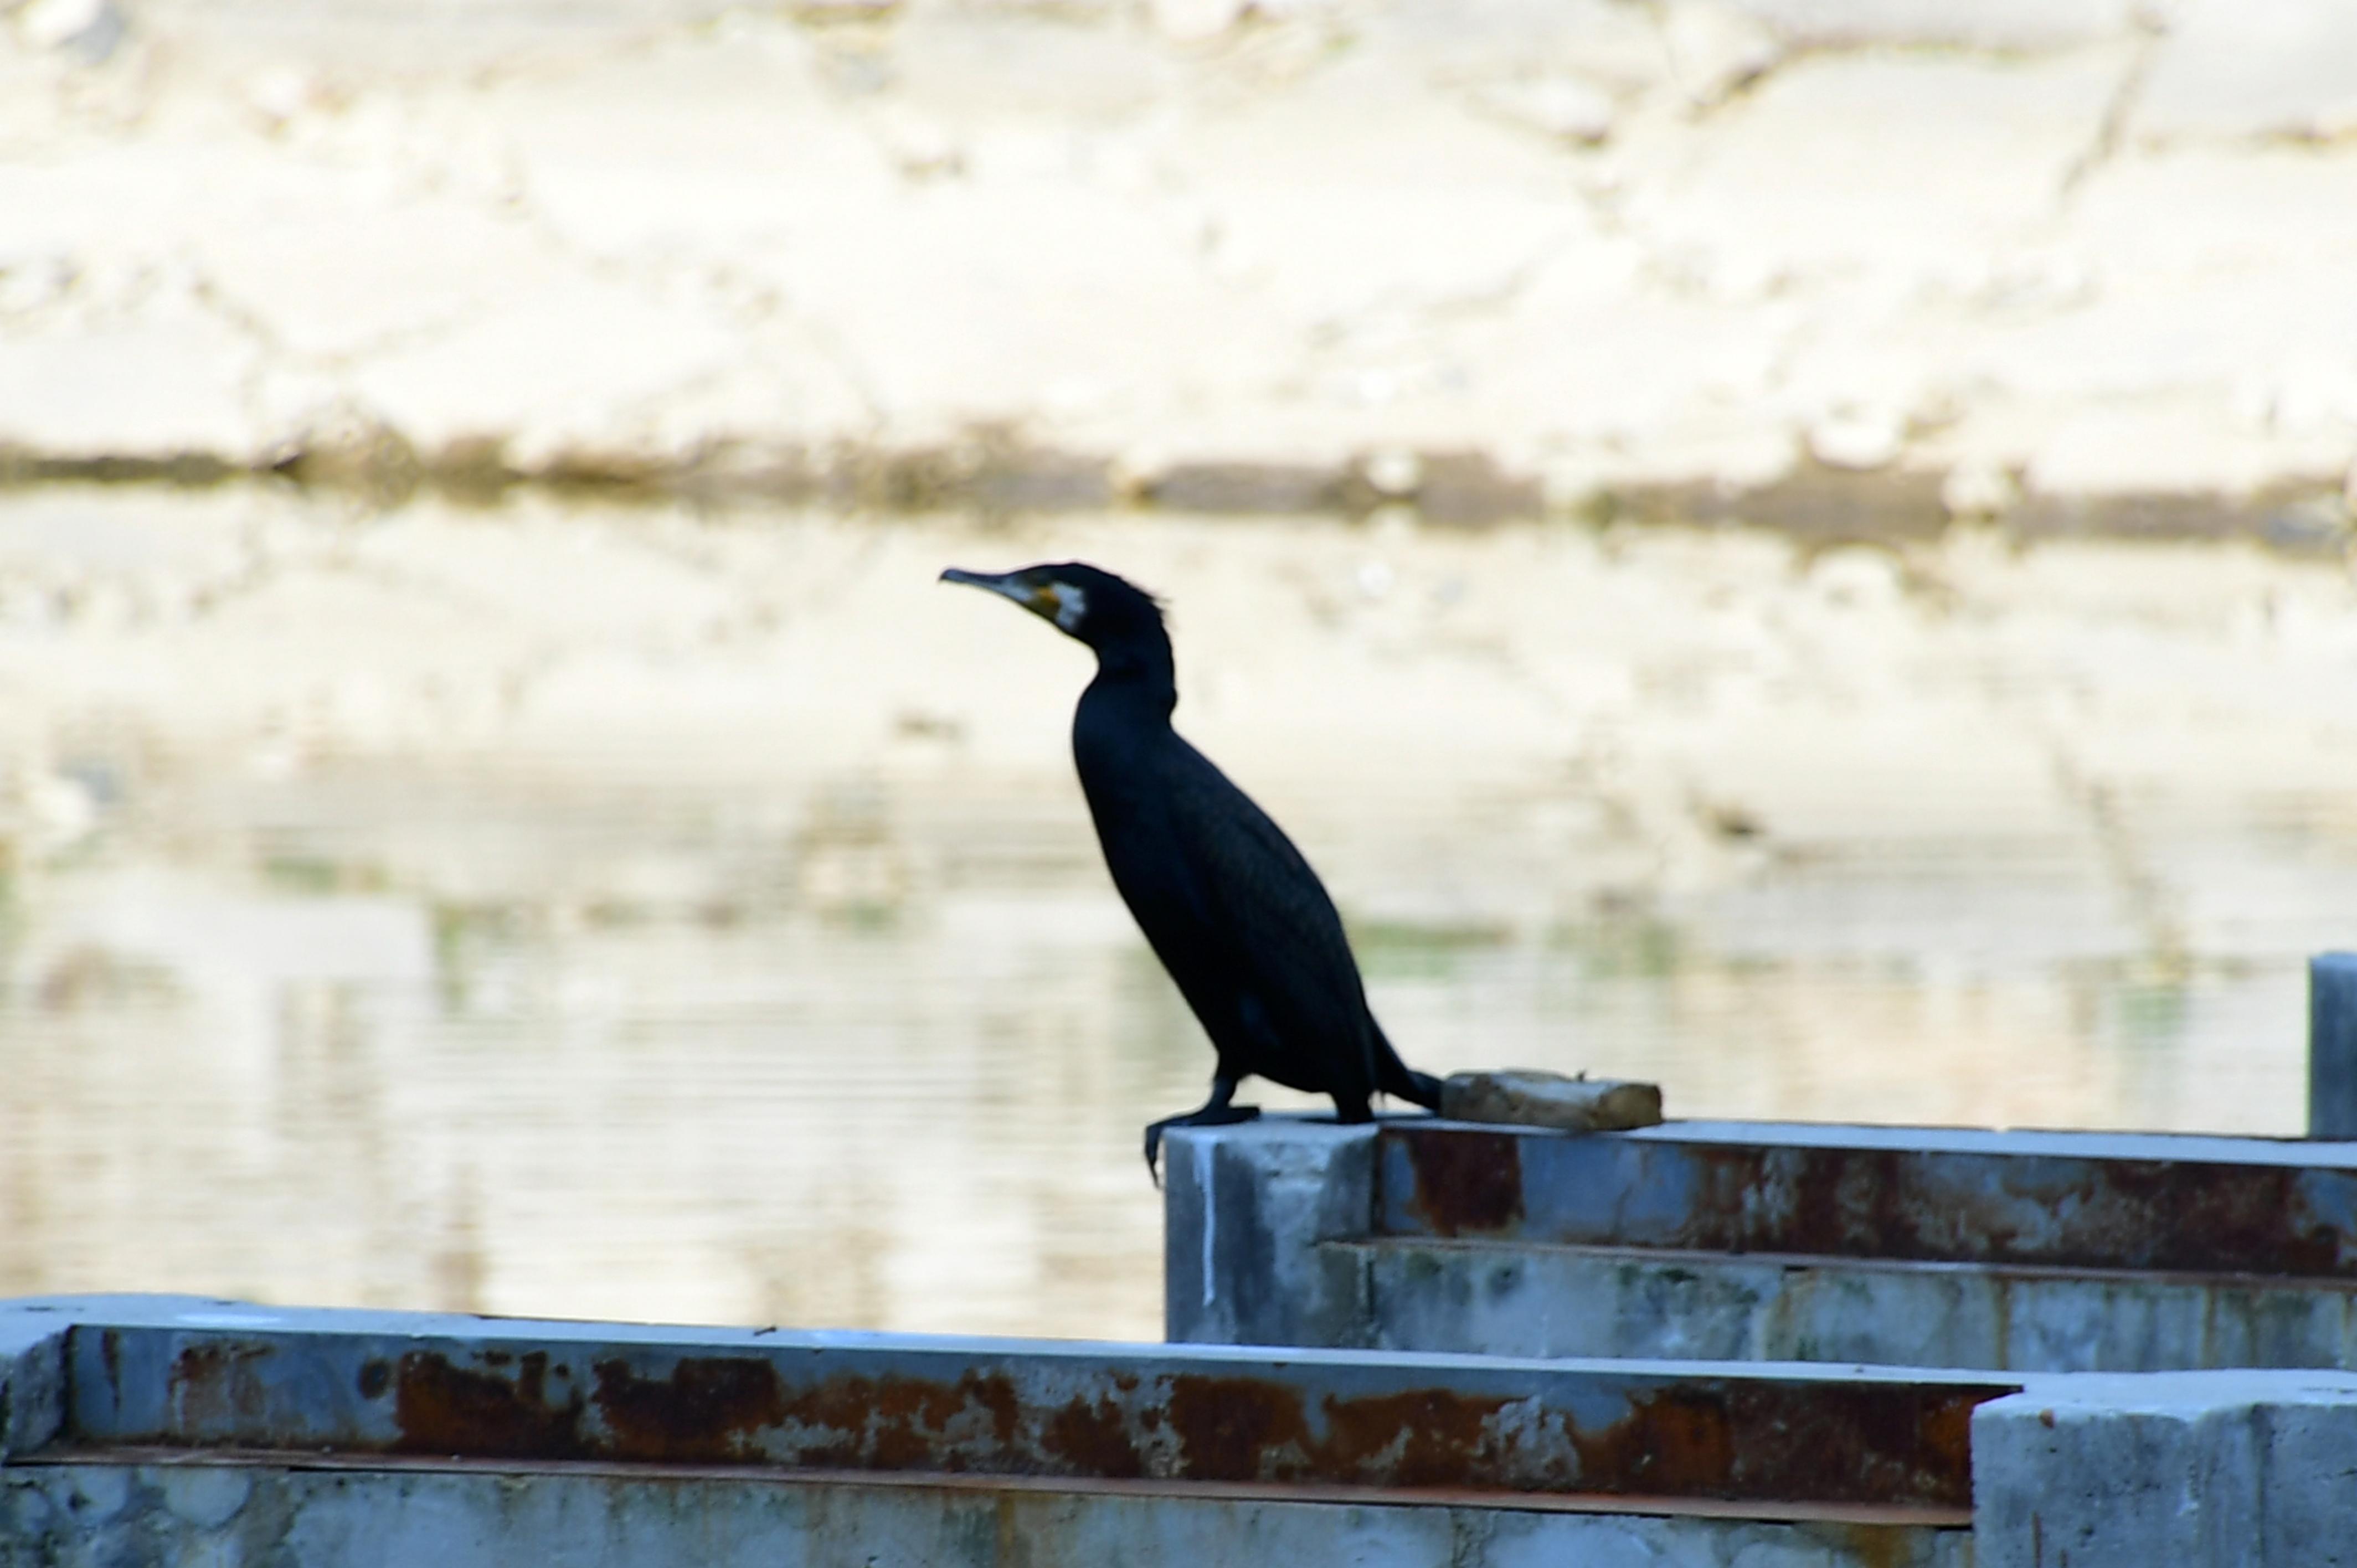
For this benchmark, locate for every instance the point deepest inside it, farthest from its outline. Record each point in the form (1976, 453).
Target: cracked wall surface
(2063, 263)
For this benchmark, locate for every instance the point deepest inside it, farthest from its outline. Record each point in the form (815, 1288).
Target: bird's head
(1083, 601)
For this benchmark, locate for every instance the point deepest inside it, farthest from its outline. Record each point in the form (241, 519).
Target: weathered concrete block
(2007, 25)
(32, 1383)
(1245, 1209)
(2082, 1201)
(1532, 1099)
(2332, 1045)
(2027, 1252)
(1961, 161)
(2306, 1498)
(1487, 1299)
(528, 375)
(2241, 68)
(604, 1442)
(2235, 1469)
(162, 383)
(92, 1513)
(35, 1385)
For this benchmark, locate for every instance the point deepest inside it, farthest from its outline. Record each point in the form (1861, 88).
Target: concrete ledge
(233, 1377)
(208, 1430)
(32, 1382)
(2233, 1470)
(2042, 1252)
(1479, 1297)
(221, 1430)
(1244, 1210)
(124, 1510)
(2278, 1207)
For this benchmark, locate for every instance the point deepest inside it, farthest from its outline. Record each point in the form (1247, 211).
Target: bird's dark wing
(1277, 931)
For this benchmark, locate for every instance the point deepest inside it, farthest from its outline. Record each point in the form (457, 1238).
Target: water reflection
(639, 915)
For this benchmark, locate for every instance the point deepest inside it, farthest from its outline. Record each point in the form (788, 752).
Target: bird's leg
(1216, 1112)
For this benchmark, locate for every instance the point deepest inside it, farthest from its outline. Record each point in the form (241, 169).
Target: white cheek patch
(1071, 605)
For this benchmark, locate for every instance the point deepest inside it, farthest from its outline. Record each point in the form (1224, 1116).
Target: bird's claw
(1209, 1116)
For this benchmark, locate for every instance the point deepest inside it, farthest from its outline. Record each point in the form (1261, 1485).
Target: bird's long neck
(1137, 670)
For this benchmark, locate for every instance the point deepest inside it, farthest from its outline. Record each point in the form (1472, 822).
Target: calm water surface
(641, 915)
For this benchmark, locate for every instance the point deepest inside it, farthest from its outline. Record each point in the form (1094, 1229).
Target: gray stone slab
(2332, 1045)
(32, 1380)
(353, 1383)
(1483, 1298)
(2227, 1470)
(1243, 1208)
(2202, 1148)
(89, 1513)
(1759, 1242)
(2204, 1205)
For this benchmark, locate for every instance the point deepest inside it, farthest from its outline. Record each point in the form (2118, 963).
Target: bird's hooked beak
(1062, 602)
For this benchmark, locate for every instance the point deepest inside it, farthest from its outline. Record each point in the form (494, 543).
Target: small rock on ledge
(1526, 1098)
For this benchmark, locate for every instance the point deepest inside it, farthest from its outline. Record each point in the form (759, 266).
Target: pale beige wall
(2077, 250)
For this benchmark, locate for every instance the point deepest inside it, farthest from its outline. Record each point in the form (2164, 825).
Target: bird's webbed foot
(1219, 1114)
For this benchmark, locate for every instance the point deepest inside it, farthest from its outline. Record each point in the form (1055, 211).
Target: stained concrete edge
(32, 1382)
(2189, 1468)
(1245, 1207)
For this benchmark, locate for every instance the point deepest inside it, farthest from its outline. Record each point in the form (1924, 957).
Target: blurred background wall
(2073, 263)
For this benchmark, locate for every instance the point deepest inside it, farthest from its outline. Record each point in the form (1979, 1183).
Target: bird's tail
(1395, 1076)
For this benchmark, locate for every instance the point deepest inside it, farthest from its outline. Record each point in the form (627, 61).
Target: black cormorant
(1227, 903)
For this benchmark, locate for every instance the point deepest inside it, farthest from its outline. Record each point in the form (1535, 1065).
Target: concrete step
(1522, 1299)
(2030, 1252)
(161, 1508)
(2277, 1206)
(175, 1430)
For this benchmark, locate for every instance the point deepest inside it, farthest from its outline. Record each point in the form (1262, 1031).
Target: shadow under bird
(1227, 903)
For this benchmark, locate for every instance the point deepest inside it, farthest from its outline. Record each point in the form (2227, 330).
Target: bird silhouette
(1229, 906)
